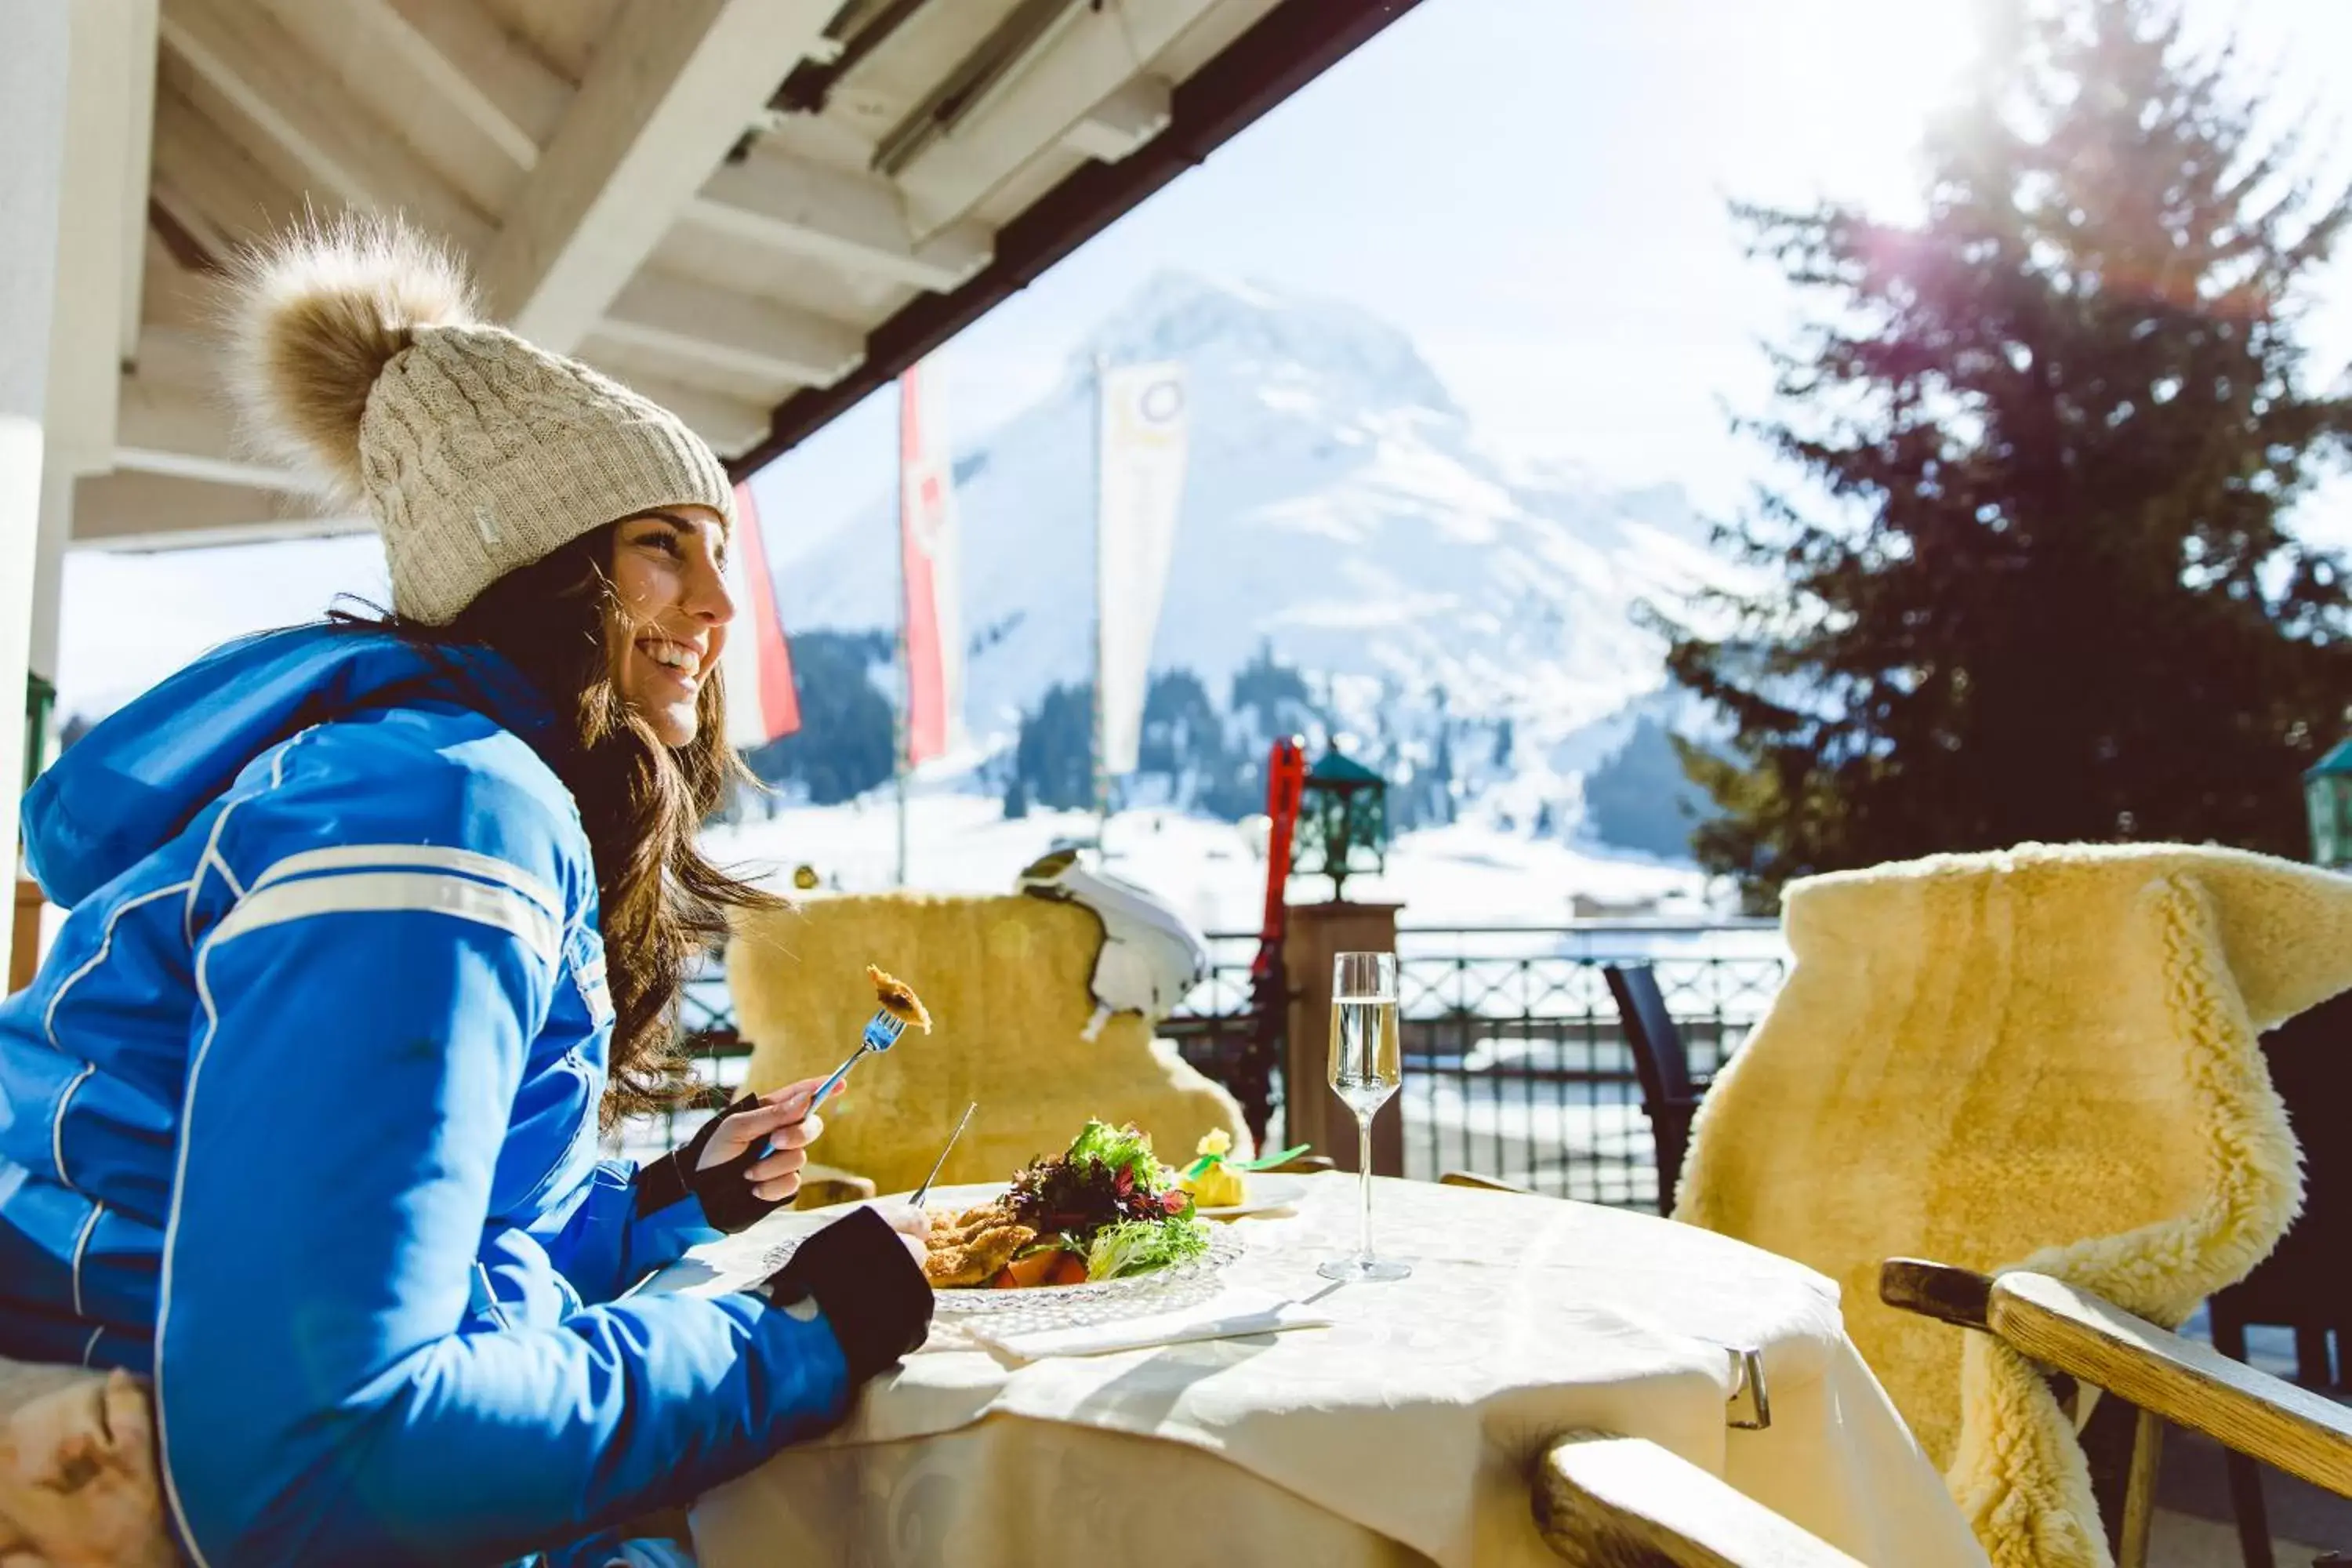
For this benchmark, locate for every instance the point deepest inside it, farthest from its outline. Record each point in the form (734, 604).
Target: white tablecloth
(1402, 1433)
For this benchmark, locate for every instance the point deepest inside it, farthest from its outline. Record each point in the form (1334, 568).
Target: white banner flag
(1141, 443)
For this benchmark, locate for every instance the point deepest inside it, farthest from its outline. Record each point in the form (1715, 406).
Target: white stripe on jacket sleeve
(385, 892)
(420, 856)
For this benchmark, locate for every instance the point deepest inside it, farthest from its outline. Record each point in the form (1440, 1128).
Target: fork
(925, 1190)
(882, 1032)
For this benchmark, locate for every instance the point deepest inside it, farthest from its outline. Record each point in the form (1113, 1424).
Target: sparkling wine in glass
(1367, 1065)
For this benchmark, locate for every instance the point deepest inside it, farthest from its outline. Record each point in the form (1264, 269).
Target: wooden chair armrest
(1304, 1165)
(2097, 1342)
(1602, 1501)
(2186, 1382)
(1939, 1290)
(1484, 1183)
(822, 1185)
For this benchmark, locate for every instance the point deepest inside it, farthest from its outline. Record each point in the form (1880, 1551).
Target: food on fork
(1106, 1208)
(899, 999)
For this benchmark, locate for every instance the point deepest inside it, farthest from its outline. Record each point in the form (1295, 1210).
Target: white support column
(49, 567)
(33, 102)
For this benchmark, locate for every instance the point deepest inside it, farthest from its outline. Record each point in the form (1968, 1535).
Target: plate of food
(1104, 1221)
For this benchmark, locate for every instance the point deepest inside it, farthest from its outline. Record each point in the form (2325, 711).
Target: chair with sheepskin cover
(2041, 1059)
(1006, 982)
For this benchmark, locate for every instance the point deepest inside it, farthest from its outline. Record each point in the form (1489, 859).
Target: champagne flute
(1367, 1065)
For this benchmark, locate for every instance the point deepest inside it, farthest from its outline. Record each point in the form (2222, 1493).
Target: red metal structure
(1285, 778)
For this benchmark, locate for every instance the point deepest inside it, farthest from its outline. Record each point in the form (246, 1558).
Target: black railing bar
(1610, 927)
(1615, 923)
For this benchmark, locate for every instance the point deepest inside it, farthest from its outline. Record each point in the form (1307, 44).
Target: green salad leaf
(1108, 1176)
(1136, 1245)
(1117, 1149)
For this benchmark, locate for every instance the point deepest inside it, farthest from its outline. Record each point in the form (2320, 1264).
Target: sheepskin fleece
(1005, 981)
(2043, 1058)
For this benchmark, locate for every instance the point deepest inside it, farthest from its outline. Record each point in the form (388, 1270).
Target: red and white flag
(930, 547)
(757, 665)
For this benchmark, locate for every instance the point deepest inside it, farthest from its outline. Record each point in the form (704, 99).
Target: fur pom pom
(313, 317)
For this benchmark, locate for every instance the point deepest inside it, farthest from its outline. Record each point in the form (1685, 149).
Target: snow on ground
(1510, 1107)
(1210, 871)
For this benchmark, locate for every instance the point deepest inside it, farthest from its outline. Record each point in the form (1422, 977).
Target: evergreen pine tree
(1271, 699)
(844, 746)
(1639, 799)
(1441, 768)
(1053, 757)
(1183, 738)
(2058, 424)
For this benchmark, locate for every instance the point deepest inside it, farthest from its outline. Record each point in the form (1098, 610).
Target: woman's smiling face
(668, 622)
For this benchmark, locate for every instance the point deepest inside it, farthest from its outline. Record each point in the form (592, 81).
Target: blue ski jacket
(299, 1119)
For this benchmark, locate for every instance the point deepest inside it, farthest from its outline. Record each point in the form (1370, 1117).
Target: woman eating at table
(372, 926)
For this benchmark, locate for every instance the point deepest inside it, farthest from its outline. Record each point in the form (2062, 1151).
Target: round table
(1400, 1433)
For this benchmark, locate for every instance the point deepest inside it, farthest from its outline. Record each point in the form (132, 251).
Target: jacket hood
(133, 783)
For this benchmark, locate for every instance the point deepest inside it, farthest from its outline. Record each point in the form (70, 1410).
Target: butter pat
(1218, 1185)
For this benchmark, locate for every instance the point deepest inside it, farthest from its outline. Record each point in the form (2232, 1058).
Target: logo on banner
(929, 525)
(1162, 401)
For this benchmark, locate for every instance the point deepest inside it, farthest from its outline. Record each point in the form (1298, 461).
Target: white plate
(1069, 1305)
(1101, 1300)
(1263, 1193)
(1063, 1306)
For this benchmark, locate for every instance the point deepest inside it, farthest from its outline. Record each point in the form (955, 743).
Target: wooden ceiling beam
(130, 512)
(680, 316)
(208, 184)
(673, 85)
(1079, 67)
(484, 73)
(175, 420)
(852, 220)
(246, 55)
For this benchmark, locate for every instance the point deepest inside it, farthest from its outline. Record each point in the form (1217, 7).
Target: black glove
(728, 1201)
(869, 1286)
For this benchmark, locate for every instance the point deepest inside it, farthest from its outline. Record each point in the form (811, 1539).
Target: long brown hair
(661, 902)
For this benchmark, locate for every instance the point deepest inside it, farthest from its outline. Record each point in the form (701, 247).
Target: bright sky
(1534, 189)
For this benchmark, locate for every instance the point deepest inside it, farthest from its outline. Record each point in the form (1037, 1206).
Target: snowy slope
(1338, 506)
(1210, 871)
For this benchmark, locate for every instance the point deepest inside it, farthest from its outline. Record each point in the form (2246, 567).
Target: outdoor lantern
(1343, 821)
(2327, 795)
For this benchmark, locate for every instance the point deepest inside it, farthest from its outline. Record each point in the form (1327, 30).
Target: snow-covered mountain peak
(1339, 508)
(1318, 356)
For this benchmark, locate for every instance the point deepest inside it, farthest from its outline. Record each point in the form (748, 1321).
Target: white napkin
(1234, 1312)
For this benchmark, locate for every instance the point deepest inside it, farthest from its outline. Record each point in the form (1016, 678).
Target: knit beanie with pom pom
(357, 357)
